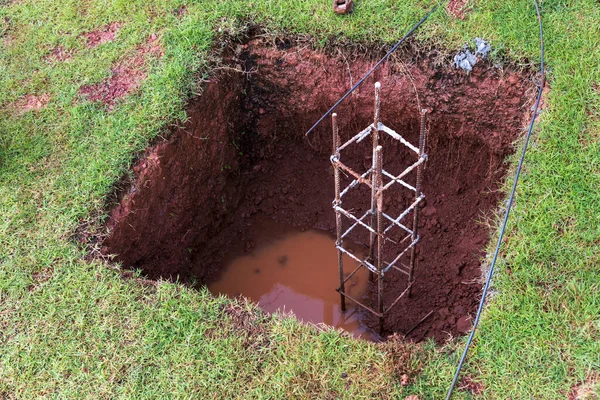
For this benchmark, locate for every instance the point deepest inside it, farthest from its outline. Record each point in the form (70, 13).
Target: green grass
(73, 329)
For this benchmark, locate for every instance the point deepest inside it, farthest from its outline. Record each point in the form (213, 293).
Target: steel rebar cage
(375, 220)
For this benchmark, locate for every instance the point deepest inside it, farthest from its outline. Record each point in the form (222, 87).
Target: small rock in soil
(429, 211)
(343, 6)
(404, 380)
(458, 268)
(463, 325)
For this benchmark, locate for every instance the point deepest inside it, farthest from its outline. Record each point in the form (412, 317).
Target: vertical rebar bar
(337, 203)
(380, 239)
(422, 140)
(375, 137)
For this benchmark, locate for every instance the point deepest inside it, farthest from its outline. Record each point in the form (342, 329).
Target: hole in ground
(200, 197)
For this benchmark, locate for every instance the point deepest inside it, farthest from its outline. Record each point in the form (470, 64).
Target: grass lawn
(70, 328)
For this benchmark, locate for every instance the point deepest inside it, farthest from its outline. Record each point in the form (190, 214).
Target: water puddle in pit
(297, 271)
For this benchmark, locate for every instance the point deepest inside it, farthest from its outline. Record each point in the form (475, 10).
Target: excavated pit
(242, 158)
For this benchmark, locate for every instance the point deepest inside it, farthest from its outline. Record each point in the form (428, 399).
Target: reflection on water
(297, 272)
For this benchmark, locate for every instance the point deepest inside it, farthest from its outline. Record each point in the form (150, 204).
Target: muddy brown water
(242, 157)
(290, 270)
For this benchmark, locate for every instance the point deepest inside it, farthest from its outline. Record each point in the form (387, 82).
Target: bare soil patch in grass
(126, 76)
(32, 102)
(586, 390)
(58, 54)
(458, 8)
(107, 33)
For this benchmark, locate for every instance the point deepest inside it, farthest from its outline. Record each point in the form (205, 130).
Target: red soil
(58, 54)
(126, 77)
(102, 35)
(32, 102)
(458, 8)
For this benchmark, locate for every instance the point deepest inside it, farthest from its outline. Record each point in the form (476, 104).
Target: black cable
(360, 82)
(508, 207)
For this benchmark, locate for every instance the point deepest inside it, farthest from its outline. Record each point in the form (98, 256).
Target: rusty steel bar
(399, 242)
(356, 138)
(418, 323)
(375, 137)
(380, 239)
(337, 204)
(355, 182)
(354, 225)
(410, 246)
(405, 172)
(363, 305)
(358, 260)
(414, 205)
(400, 269)
(413, 250)
(352, 217)
(398, 298)
(349, 170)
(377, 219)
(396, 223)
(350, 275)
(398, 137)
(395, 179)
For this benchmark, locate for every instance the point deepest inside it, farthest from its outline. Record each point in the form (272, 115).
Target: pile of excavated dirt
(242, 157)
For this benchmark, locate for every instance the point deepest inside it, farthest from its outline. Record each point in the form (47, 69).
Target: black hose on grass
(360, 82)
(508, 207)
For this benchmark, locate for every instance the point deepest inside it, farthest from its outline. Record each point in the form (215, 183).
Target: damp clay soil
(242, 157)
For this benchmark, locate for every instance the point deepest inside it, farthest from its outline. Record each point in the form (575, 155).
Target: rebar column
(380, 240)
(375, 136)
(337, 203)
(422, 139)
